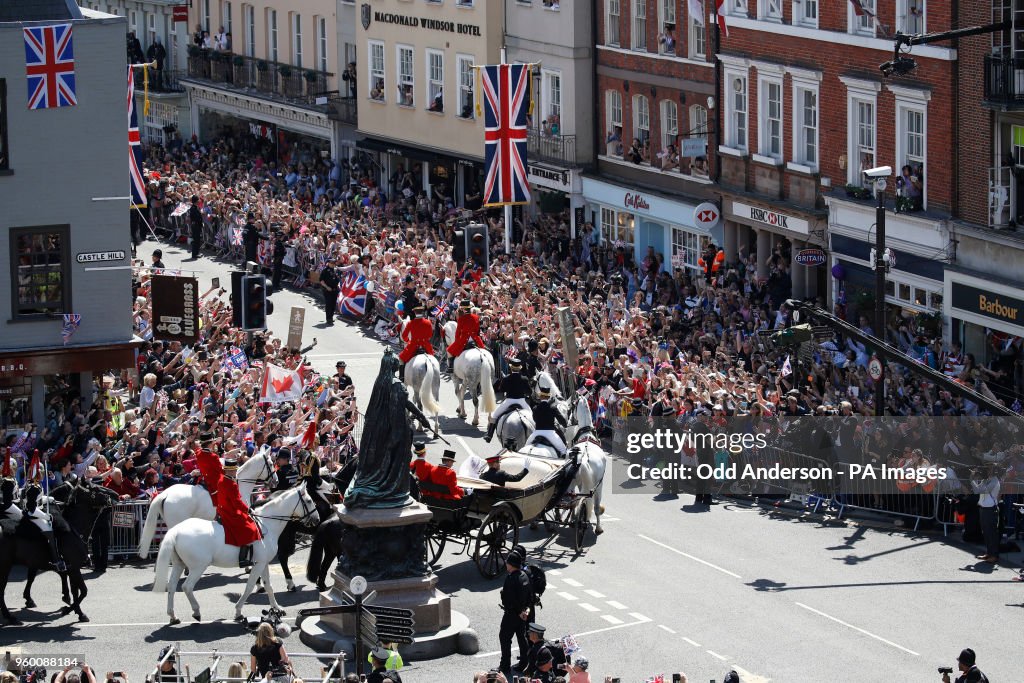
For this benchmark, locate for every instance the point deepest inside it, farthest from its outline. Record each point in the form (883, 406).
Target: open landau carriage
(489, 517)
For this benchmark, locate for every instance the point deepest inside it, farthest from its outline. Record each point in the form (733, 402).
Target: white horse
(423, 376)
(474, 371)
(544, 379)
(185, 501)
(514, 428)
(593, 461)
(198, 543)
(449, 329)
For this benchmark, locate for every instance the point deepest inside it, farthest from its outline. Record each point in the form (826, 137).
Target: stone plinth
(386, 547)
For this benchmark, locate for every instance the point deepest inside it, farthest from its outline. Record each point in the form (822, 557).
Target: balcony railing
(556, 149)
(1004, 81)
(342, 109)
(165, 81)
(249, 73)
(999, 180)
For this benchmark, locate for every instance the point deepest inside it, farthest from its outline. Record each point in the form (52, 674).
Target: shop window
(920, 297)
(935, 301)
(626, 224)
(607, 225)
(904, 294)
(40, 271)
(890, 288)
(688, 245)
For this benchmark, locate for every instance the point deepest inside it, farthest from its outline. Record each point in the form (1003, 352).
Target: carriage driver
(516, 389)
(239, 528)
(467, 328)
(545, 415)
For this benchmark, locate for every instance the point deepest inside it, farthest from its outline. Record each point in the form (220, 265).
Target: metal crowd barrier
(812, 491)
(918, 502)
(126, 521)
(332, 666)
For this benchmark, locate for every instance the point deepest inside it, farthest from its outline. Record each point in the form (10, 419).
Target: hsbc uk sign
(769, 217)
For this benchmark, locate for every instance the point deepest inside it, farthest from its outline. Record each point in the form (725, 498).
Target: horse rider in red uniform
(468, 328)
(240, 529)
(416, 335)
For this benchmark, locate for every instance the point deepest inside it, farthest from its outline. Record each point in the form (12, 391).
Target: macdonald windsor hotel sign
(412, 21)
(987, 304)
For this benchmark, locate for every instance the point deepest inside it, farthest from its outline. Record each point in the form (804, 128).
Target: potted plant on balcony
(262, 65)
(285, 70)
(238, 60)
(193, 50)
(857, 192)
(310, 75)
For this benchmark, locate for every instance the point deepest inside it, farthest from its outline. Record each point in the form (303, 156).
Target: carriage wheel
(435, 543)
(498, 534)
(580, 523)
(554, 518)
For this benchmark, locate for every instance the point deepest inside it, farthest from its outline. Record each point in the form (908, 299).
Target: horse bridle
(306, 512)
(271, 472)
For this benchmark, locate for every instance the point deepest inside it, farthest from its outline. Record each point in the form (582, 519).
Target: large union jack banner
(352, 296)
(506, 90)
(135, 147)
(50, 67)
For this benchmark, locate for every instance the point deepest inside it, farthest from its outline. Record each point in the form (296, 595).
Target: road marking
(691, 557)
(567, 596)
(858, 629)
(605, 518)
(590, 608)
(614, 604)
(612, 620)
(345, 355)
(665, 628)
(572, 582)
(691, 642)
(716, 655)
(554, 572)
(575, 635)
(465, 446)
(593, 593)
(639, 617)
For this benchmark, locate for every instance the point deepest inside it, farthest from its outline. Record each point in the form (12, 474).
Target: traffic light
(459, 247)
(255, 306)
(478, 245)
(236, 298)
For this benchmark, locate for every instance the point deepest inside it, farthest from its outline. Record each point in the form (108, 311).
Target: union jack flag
(440, 310)
(506, 89)
(71, 323)
(352, 296)
(512, 353)
(50, 67)
(236, 235)
(135, 148)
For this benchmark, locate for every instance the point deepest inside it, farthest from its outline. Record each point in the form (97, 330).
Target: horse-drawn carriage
(487, 519)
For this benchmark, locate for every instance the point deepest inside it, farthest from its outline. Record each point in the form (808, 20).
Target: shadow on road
(767, 585)
(199, 632)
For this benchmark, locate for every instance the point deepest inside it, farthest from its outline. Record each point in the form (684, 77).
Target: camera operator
(66, 677)
(969, 673)
(985, 483)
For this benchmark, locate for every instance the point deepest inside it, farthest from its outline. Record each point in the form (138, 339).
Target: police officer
(534, 634)
(516, 390)
(330, 283)
(343, 379)
(545, 416)
(195, 221)
(379, 657)
(280, 248)
(516, 599)
(409, 296)
(251, 237)
(498, 476)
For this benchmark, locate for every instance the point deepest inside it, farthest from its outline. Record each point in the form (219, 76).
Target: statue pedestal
(386, 547)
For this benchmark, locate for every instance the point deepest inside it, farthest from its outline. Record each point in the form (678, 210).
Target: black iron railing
(264, 76)
(556, 149)
(1004, 81)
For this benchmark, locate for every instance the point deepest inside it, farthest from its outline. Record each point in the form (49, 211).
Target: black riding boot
(55, 560)
(401, 372)
(245, 556)
(491, 426)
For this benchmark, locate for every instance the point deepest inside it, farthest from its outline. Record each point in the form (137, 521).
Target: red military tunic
(416, 335)
(239, 528)
(468, 328)
(422, 469)
(445, 476)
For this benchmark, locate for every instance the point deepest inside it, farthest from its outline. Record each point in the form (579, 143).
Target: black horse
(85, 501)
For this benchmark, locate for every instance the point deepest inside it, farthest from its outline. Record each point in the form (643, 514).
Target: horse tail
(164, 558)
(316, 556)
(486, 387)
(149, 530)
(430, 376)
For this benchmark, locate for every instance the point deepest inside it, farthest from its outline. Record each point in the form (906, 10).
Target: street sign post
(295, 322)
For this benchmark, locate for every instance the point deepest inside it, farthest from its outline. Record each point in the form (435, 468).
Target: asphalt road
(668, 587)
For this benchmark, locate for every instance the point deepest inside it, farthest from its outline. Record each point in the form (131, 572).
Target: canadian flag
(281, 384)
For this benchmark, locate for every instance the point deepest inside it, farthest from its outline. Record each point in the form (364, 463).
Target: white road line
(572, 582)
(576, 635)
(593, 593)
(691, 557)
(858, 629)
(567, 596)
(665, 628)
(465, 446)
(590, 608)
(553, 572)
(691, 642)
(639, 617)
(716, 655)
(614, 604)
(612, 620)
(605, 518)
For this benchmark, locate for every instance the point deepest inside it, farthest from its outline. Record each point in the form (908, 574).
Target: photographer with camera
(969, 673)
(66, 676)
(985, 483)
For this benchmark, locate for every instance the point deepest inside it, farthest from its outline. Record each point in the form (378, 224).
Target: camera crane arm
(892, 354)
(902, 65)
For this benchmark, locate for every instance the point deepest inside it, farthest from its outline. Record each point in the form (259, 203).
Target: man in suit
(195, 221)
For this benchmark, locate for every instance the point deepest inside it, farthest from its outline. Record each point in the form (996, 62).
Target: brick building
(805, 110)
(655, 98)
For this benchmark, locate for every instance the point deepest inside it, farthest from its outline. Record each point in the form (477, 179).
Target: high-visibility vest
(394, 662)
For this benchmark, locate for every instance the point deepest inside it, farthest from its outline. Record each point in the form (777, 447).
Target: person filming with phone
(969, 672)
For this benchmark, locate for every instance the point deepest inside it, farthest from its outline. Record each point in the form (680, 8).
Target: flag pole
(508, 207)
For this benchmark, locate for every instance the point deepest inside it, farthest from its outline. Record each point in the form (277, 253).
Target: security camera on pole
(881, 265)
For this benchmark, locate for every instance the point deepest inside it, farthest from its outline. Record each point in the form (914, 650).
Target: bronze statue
(382, 472)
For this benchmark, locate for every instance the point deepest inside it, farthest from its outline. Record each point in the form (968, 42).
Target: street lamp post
(881, 266)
